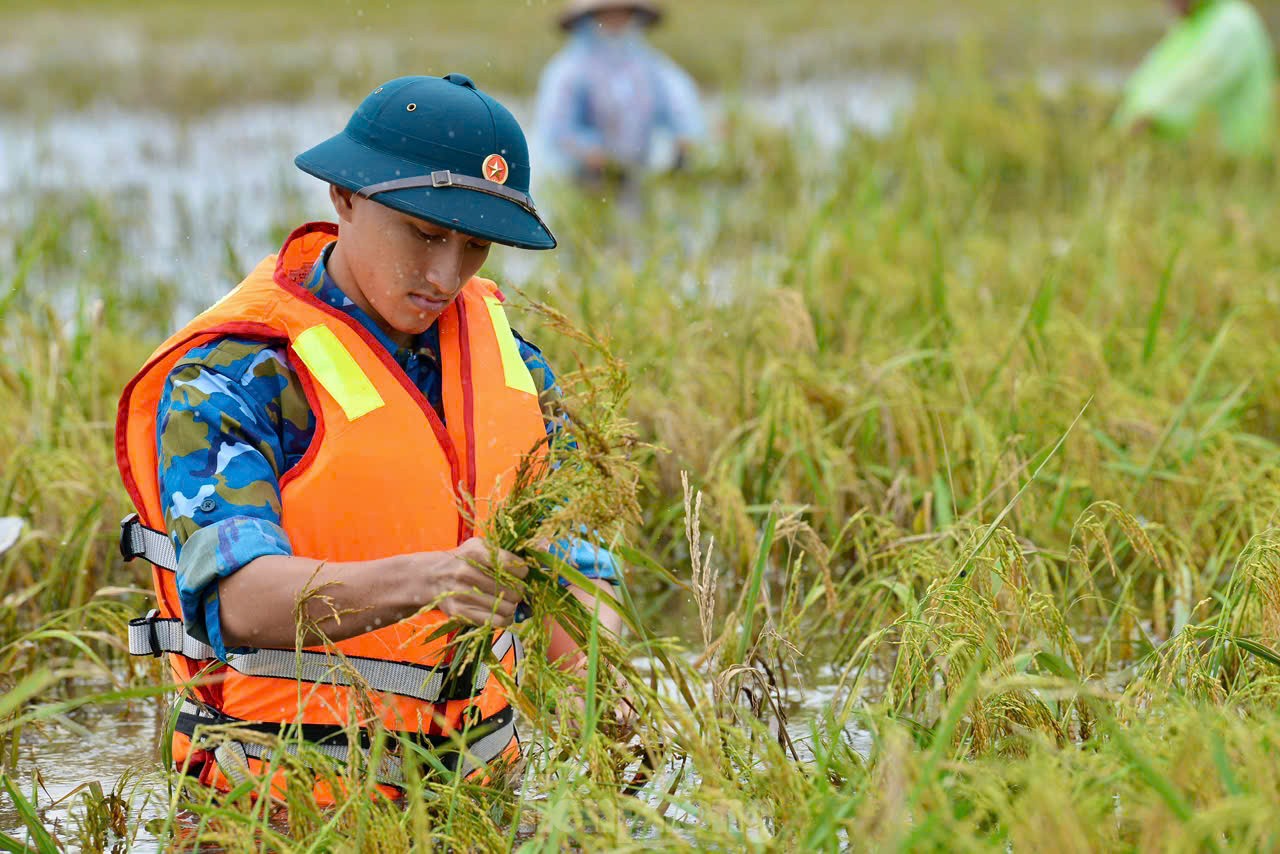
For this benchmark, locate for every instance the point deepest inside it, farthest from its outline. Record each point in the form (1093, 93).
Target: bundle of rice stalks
(579, 484)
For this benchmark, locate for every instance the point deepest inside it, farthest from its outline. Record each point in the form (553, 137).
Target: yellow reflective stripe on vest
(513, 367)
(336, 369)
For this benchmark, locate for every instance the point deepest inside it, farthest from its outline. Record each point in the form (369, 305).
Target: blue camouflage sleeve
(221, 428)
(584, 555)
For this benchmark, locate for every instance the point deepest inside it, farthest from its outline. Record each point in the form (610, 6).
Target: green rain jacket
(1219, 58)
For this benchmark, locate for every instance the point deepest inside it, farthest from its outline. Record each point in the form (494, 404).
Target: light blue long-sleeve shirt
(615, 94)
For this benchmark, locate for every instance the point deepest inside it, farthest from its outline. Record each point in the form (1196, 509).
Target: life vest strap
(485, 741)
(154, 635)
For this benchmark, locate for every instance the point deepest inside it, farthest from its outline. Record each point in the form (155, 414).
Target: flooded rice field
(117, 746)
(204, 195)
(200, 193)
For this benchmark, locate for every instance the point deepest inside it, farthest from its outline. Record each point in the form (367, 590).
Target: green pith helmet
(439, 149)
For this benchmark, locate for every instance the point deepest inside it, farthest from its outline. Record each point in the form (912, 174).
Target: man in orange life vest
(321, 425)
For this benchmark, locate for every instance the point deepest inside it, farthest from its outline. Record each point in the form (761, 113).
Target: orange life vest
(383, 476)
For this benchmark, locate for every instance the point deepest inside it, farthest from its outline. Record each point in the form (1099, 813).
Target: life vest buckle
(153, 636)
(128, 543)
(471, 716)
(442, 178)
(137, 540)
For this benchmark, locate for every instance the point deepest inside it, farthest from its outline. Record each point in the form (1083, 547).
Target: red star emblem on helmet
(495, 169)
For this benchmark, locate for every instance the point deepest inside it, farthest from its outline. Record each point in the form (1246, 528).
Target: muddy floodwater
(112, 745)
(117, 746)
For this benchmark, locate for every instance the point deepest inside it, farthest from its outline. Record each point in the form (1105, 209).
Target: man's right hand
(465, 584)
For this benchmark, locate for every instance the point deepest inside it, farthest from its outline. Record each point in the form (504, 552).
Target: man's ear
(342, 201)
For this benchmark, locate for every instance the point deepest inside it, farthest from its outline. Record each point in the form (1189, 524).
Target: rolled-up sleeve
(591, 560)
(213, 553)
(220, 454)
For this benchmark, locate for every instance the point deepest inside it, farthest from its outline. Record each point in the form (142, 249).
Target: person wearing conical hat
(611, 103)
(1216, 61)
(343, 421)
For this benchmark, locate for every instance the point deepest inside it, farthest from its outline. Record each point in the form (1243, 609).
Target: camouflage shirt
(233, 418)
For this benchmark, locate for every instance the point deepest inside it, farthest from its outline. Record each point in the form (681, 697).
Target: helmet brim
(343, 161)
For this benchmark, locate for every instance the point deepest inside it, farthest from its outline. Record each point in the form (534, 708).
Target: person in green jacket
(1218, 59)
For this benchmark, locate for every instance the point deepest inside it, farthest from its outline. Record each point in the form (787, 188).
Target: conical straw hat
(575, 10)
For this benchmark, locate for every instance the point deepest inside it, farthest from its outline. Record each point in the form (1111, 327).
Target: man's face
(408, 270)
(614, 21)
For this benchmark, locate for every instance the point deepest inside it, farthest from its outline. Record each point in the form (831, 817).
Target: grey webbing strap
(137, 540)
(390, 770)
(233, 760)
(444, 178)
(487, 748)
(501, 647)
(232, 756)
(196, 710)
(407, 680)
(153, 635)
(392, 677)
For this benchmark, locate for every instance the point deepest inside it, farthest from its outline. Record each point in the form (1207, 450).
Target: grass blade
(1157, 310)
(43, 840)
(753, 587)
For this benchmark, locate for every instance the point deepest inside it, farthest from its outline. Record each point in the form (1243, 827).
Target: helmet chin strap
(443, 179)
